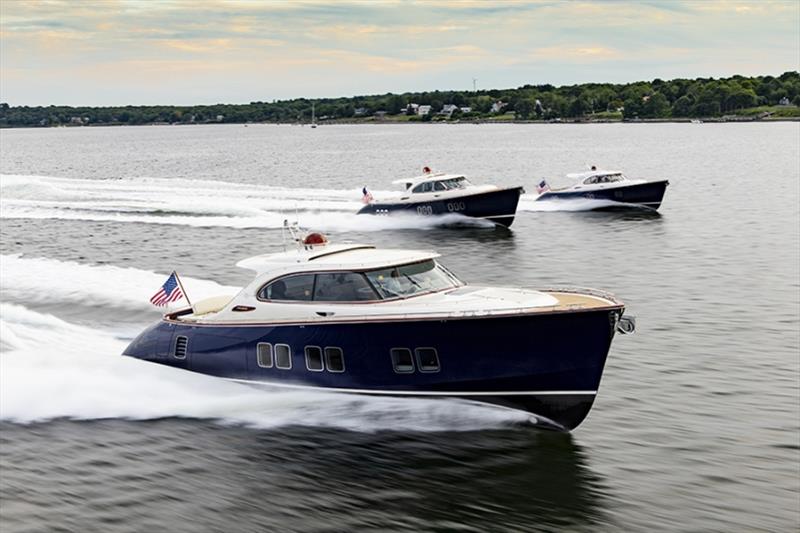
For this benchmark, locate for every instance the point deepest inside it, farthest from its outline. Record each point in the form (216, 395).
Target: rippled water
(696, 427)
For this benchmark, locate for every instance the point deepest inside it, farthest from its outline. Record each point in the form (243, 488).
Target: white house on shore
(498, 106)
(448, 109)
(423, 110)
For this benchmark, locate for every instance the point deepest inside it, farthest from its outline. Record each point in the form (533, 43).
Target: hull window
(283, 356)
(181, 346)
(402, 360)
(314, 359)
(427, 359)
(334, 359)
(264, 353)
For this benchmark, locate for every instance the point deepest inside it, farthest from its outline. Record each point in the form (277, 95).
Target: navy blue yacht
(612, 186)
(435, 193)
(357, 319)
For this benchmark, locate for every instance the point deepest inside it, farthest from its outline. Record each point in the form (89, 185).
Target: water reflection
(305, 479)
(502, 479)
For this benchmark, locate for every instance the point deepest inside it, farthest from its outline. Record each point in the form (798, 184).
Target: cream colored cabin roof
(590, 173)
(334, 256)
(436, 176)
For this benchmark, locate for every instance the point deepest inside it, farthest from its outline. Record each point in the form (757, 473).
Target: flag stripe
(169, 292)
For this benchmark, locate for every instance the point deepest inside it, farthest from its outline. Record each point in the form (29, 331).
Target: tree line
(678, 98)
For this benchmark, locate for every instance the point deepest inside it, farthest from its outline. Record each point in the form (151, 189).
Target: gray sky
(116, 52)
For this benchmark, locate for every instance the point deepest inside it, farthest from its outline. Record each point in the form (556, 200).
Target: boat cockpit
(441, 185)
(386, 283)
(603, 178)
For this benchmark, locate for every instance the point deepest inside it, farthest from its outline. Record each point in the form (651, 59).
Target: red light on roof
(315, 238)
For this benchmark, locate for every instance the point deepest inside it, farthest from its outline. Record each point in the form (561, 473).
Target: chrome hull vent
(181, 345)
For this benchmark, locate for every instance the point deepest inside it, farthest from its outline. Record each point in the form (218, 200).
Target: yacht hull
(649, 194)
(498, 206)
(549, 364)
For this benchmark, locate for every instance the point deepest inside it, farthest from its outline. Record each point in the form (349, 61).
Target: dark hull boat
(498, 206)
(647, 194)
(350, 318)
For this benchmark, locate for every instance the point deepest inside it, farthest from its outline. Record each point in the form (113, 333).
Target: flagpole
(178, 279)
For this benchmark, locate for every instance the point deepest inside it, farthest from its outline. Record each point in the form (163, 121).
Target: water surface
(696, 426)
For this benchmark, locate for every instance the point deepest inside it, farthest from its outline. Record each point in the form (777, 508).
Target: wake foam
(201, 203)
(52, 369)
(21, 279)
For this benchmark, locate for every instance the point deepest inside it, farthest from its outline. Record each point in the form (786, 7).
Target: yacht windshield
(455, 183)
(408, 280)
(442, 185)
(605, 178)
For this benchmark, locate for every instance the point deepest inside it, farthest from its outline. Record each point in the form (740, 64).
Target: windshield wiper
(417, 285)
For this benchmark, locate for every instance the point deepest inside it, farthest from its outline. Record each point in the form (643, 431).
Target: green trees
(524, 108)
(701, 97)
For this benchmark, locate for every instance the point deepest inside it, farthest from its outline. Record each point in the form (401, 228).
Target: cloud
(318, 47)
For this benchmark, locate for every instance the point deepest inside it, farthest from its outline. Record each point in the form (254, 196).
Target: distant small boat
(610, 185)
(436, 193)
(696, 121)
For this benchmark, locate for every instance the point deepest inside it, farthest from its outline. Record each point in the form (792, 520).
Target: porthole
(264, 354)
(402, 360)
(283, 356)
(314, 359)
(427, 359)
(334, 359)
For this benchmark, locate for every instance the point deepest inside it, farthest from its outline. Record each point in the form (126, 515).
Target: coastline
(384, 122)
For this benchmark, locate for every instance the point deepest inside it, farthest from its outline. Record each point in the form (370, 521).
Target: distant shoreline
(371, 121)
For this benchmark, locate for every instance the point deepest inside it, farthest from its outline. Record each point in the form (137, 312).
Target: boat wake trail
(50, 368)
(108, 286)
(199, 203)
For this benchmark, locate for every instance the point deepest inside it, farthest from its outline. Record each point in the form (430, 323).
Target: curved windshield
(408, 280)
(442, 185)
(456, 183)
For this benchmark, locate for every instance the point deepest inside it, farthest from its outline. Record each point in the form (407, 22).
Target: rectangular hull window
(283, 356)
(334, 359)
(427, 359)
(402, 360)
(264, 352)
(314, 358)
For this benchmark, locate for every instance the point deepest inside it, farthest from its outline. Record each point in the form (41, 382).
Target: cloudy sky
(112, 52)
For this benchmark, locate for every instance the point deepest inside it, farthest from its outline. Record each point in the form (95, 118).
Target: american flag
(367, 198)
(169, 292)
(542, 187)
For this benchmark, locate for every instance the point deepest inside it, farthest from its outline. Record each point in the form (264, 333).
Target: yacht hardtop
(594, 177)
(334, 281)
(440, 182)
